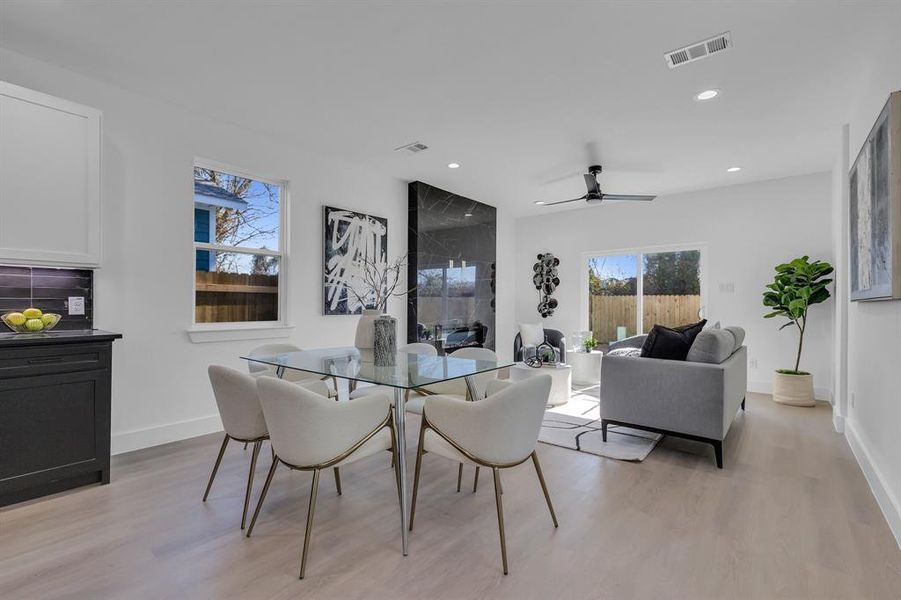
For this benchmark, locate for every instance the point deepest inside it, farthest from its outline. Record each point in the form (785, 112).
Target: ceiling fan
(595, 195)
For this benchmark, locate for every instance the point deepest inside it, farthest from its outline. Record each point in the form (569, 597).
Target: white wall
(160, 387)
(747, 229)
(873, 420)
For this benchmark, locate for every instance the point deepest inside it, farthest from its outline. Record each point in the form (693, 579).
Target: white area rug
(577, 425)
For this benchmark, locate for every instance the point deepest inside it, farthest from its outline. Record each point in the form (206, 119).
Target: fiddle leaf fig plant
(797, 286)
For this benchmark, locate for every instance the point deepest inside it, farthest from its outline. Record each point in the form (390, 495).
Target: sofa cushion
(671, 343)
(739, 334)
(625, 352)
(712, 346)
(532, 334)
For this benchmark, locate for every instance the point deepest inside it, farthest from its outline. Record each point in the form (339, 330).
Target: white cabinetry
(49, 179)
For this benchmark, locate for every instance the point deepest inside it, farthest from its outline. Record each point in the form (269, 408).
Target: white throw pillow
(532, 333)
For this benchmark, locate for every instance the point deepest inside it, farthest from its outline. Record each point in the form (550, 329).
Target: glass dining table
(408, 372)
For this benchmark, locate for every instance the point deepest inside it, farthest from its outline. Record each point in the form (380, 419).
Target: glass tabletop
(409, 370)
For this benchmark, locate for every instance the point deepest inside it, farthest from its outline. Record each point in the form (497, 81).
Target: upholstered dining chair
(498, 432)
(289, 374)
(419, 348)
(311, 433)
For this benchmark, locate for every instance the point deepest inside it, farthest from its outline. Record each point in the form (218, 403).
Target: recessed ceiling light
(539, 202)
(707, 95)
(453, 166)
(467, 214)
(733, 169)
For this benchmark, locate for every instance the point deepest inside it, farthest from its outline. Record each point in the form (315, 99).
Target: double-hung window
(239, 246)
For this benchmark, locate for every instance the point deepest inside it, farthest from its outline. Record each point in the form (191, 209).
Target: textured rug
(576, 425)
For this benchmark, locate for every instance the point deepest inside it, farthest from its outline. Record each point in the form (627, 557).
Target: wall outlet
(76, 305)
(752, 363)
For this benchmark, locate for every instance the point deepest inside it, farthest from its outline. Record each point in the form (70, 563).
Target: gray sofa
(688, 399)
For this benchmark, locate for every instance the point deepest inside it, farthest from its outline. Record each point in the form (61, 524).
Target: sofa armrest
(686, 397)
(636, 341)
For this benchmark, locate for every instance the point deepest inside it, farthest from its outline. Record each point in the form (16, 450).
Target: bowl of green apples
(30, 320)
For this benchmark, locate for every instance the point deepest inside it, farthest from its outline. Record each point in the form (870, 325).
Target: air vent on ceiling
(698, 50)
(413, 148)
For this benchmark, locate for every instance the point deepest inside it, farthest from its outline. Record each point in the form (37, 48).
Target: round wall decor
(545, 279)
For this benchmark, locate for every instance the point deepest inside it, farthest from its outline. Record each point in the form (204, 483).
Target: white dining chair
(499, 432)
(289, 374)
(458, 387)
(414, 348)
(311, 433)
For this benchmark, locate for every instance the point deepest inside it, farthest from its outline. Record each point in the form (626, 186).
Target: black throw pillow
(671, 343)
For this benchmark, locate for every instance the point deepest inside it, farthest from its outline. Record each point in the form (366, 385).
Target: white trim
(766, 387)
(838, 422)
(236, 249)
(226, 332)
(888, 503)
(137, 439)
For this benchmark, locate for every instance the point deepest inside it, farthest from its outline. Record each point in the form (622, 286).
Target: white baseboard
(838, 422)
(766, 387)
(888, 503)
(163, 434)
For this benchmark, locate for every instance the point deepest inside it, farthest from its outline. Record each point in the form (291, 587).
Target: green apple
(49, 319)
(16, 318)
(34, 325)
(32, 313)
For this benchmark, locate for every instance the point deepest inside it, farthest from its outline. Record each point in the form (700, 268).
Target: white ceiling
(518, 93)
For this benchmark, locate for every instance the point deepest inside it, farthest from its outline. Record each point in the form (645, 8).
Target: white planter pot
(794, 390)
(364, 338)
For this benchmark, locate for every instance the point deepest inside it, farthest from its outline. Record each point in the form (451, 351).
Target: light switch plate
(76, 305)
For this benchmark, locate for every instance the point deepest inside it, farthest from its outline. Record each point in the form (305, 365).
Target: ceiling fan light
(540, 202)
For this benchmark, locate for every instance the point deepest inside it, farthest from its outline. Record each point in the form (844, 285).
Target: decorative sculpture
(546, 281)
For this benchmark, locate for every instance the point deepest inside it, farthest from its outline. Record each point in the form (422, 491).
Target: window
(239, 246)
(629, 293)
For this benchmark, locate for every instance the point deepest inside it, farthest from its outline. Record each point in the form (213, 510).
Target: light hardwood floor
(790, 516)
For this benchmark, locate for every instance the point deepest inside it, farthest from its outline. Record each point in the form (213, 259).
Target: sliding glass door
(631, 292)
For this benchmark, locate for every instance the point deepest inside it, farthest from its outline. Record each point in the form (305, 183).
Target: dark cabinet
(54, 414)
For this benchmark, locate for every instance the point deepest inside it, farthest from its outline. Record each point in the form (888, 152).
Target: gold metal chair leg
(272, 450)
(256, 513)
(422, 429)
(337, 480)
(400, 497)
(459, 476)
(216, 467)
(547, 496)
(253, 466)
(500, 515)
(306, 538)
(475, 481)
(245, 445)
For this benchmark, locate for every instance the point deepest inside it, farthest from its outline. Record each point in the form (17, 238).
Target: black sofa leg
(743, 403)
(604, 430)
(718, 450)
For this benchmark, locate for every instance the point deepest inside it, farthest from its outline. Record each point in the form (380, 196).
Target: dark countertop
(17, 340)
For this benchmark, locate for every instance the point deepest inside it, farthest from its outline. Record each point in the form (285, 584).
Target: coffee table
(561, 376)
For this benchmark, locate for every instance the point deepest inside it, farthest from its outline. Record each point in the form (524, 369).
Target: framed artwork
(350, 239)
(875, 204)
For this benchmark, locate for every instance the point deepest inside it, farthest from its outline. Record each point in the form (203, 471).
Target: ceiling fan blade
(626, 198)
(563, 201)
(592, 183)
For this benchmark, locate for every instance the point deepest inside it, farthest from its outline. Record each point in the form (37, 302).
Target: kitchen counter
(17, 340)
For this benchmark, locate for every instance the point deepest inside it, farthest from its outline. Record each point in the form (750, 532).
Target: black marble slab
(452, 241)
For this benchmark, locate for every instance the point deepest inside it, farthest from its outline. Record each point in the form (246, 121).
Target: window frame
(639, 252)
(200, 332)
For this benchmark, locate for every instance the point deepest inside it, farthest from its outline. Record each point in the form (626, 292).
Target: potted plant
(798, 285)
(589, 343)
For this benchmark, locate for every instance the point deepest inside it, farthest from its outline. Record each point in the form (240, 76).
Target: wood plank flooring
(790, 516)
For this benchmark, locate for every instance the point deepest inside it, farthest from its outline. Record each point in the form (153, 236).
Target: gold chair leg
(256, 513)
(245, 445)
(253, 466)
(500, 515)
(337, 480)
(306, 537)
(216, 467)
(459, 476)
(475, 481)
(400, 497)
(422, 429)
(547, 496)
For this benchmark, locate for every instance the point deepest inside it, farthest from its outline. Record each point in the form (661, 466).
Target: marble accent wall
(453, 250)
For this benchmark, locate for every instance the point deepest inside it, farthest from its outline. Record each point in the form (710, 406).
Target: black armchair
(552, 336)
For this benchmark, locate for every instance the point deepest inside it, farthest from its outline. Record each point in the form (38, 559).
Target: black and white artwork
(874, 196)
(350, 240)
(544, 277)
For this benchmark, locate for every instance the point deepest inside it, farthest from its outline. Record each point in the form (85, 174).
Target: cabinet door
(49, 179)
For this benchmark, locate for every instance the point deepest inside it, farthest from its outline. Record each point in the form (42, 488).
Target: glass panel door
(671, 288)
(613, 297)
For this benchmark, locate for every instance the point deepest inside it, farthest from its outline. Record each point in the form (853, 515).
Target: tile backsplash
(48, 289)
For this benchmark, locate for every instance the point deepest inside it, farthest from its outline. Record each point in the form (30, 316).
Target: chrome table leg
(400, 426)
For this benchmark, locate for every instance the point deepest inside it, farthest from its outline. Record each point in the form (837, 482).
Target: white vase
(364, 338)
(794, 390)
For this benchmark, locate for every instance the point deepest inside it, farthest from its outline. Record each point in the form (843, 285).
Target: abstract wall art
(350, 240)
(875, 205)
(545, 280)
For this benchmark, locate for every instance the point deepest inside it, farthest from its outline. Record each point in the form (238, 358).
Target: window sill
(226, 332)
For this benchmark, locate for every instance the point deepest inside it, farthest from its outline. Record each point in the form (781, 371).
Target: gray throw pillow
(712, 346)
(739, 335)
(625, 352)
